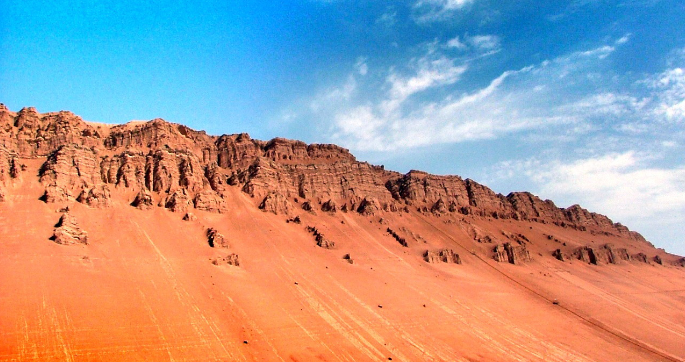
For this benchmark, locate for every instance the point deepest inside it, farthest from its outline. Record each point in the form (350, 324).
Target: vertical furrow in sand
(315, 337)
(184, 298)
(327, 313)
(558, 353)
(656, 320)
(425, 353)
(363, 326)
(252, 324)
(154, 320)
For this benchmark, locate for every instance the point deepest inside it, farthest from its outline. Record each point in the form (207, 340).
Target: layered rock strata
(186, 169)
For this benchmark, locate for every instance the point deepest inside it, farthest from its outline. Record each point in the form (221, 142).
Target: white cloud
(607, 104)
(361, 66)
(456, 43)
(430, 73)
(445, 4)
(670, 92)
(388, 19)
(483, 43)
(624, 39)
(438, 10)
(515, 101)
(601, 52)
(334, 95)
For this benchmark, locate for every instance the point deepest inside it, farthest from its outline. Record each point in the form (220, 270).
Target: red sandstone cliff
(180, 168)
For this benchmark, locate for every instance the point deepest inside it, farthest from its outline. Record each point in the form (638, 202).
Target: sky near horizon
(580, 101)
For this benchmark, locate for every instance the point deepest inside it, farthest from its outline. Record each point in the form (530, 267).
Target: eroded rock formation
(185, 169)
(397, 237)
(67, 231)
(230, 259)
(607, 254)
(514, 254)
(215, 239)
(321, 241)
(441, 256)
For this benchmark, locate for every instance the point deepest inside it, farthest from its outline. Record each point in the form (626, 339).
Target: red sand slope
(145, 289)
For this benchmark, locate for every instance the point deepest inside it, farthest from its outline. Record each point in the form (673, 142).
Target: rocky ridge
(186, 169)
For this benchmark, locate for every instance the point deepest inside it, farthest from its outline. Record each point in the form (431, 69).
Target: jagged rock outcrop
(397, 237)
(329, 206)
(641, 257)
(31, 134)
(657, 259)
(560, 255)
(276, 203)
(607, 254)
(307, 206)
(9, 165)
(143, 200)
(417, 187)
(189, 217)
(487, 202)
(9, 169)
(514, 254)
(178, 201)
(441, 256)
(98, 196)
(577, 215)
(67, 231)
(440, 207)
(209, 200)
(68, 171)
(215, 239)
(369, 206)
(187, 169)
(230, 259)
(321, 241)
(295, 220)
(530, 207)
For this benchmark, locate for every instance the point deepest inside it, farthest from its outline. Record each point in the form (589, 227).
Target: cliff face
(185, 169)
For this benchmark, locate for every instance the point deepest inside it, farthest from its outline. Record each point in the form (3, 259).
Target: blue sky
(576, 101)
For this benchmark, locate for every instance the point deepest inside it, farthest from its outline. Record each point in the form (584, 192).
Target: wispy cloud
(515, 101)
(361, 66)
(334, 95)
(670, 92)
(558, 100)
(438, 10)
(482, 43)
(387, 19)
(429, 73)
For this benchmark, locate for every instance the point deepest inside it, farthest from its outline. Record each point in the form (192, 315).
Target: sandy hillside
(398, 271)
